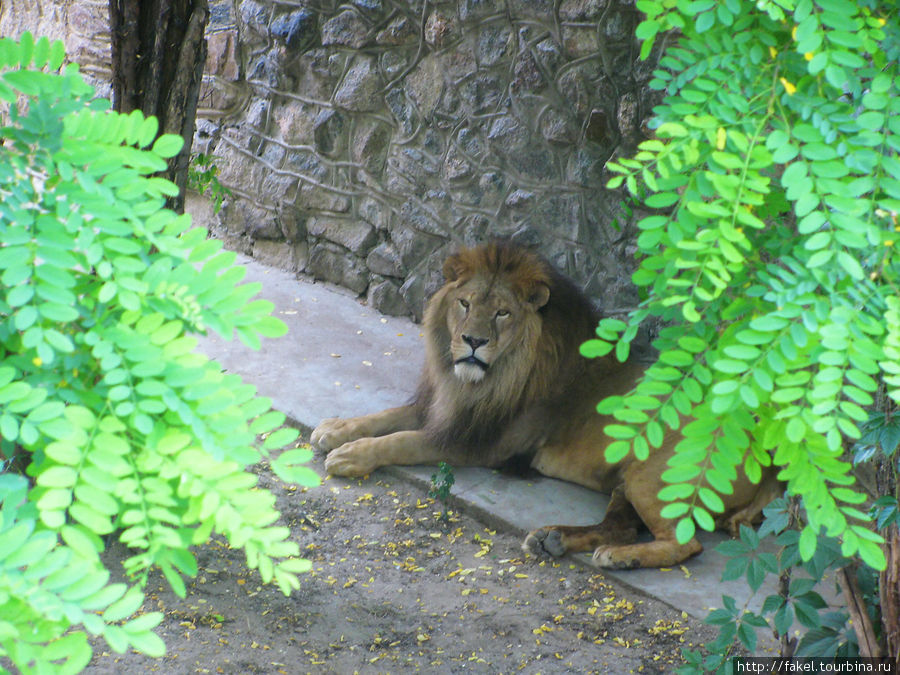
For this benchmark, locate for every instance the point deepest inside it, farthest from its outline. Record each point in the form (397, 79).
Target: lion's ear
(540, 295)
(454, 266)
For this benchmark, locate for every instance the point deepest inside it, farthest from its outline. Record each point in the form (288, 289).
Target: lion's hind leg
(663, 551)
(619, 527)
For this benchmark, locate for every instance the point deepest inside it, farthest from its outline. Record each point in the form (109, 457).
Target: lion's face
(487, 320)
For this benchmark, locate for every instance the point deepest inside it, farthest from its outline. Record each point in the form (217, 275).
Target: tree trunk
(158, 54)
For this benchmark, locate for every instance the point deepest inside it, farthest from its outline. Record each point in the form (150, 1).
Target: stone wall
(364, 140)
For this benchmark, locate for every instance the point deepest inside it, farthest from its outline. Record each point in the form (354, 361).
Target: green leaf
(807, 543)
(57, 477)
(661, 200)
(616, 451)
(167, 145)
(685, 530)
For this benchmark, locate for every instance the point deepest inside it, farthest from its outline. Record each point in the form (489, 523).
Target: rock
(627, 115)
(279, 188)
(346, 29)
(423, 283)
(493, 44)
(295, 29)
(220, 55)
(481, 92)
(580, 41)
(477, 9)
(585, 166)
(278, 254)
(535, 9)
(519, 198)
(556, 127)
(328, 131)
(579, 10)
(438, 29)
(369, 146)
(397, 32)
(386, 298)
(375, 213)
(413, 216)
(526, 74)
(323, 198)
(254, 15)
(413, 246)
(384, 260)
(549, 54)
(358, 237)
(295, 121)
(331, 263)
(508, 134)
(359, 88)
(425, 85)
(292, 225)
(456, 166)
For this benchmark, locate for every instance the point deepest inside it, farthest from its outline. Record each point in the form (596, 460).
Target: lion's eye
(464, 303)
(501, 313)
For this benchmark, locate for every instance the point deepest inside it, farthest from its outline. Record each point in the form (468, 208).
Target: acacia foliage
(773, 185)
(123, 428)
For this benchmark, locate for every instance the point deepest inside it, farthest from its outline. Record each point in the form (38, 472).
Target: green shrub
(775, 186)
(767, 243)
(123, 428)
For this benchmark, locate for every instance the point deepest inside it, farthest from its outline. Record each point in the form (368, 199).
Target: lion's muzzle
(470, 368)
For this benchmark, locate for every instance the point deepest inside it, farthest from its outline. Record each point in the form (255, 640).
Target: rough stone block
(438, 29)
(294, 121)
(399, 31)
(425, 85)
(358, 237)
(346, 29)
(359, 88)
(493, 44)
(278, 254)
(580, 10)
(369, 146)
(329, 262)
(385, 297)
(295, 29)
(220, 54)
(329, 130)
(384, 260)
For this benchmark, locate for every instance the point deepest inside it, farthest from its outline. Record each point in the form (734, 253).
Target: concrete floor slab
(341, 359)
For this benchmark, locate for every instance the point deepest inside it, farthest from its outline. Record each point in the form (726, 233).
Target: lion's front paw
(331, 433)
(543, 541)
(612, 558)
(352, 460)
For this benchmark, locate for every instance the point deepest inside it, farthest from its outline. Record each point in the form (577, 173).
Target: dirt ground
(395, 590)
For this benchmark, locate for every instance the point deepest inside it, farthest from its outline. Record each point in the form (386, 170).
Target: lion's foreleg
(362, 456)
(335, 431)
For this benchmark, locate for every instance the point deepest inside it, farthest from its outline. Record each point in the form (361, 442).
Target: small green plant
(121, 428)
(441, 482)
(203, 178)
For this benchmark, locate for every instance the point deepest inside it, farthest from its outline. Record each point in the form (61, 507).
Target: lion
(503, 382)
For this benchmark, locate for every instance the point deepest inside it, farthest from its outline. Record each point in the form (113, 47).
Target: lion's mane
(535, 377)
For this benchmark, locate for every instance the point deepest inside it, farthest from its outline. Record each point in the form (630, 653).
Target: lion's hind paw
(547, 540)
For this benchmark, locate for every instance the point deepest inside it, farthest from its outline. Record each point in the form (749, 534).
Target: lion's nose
(474, 342)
